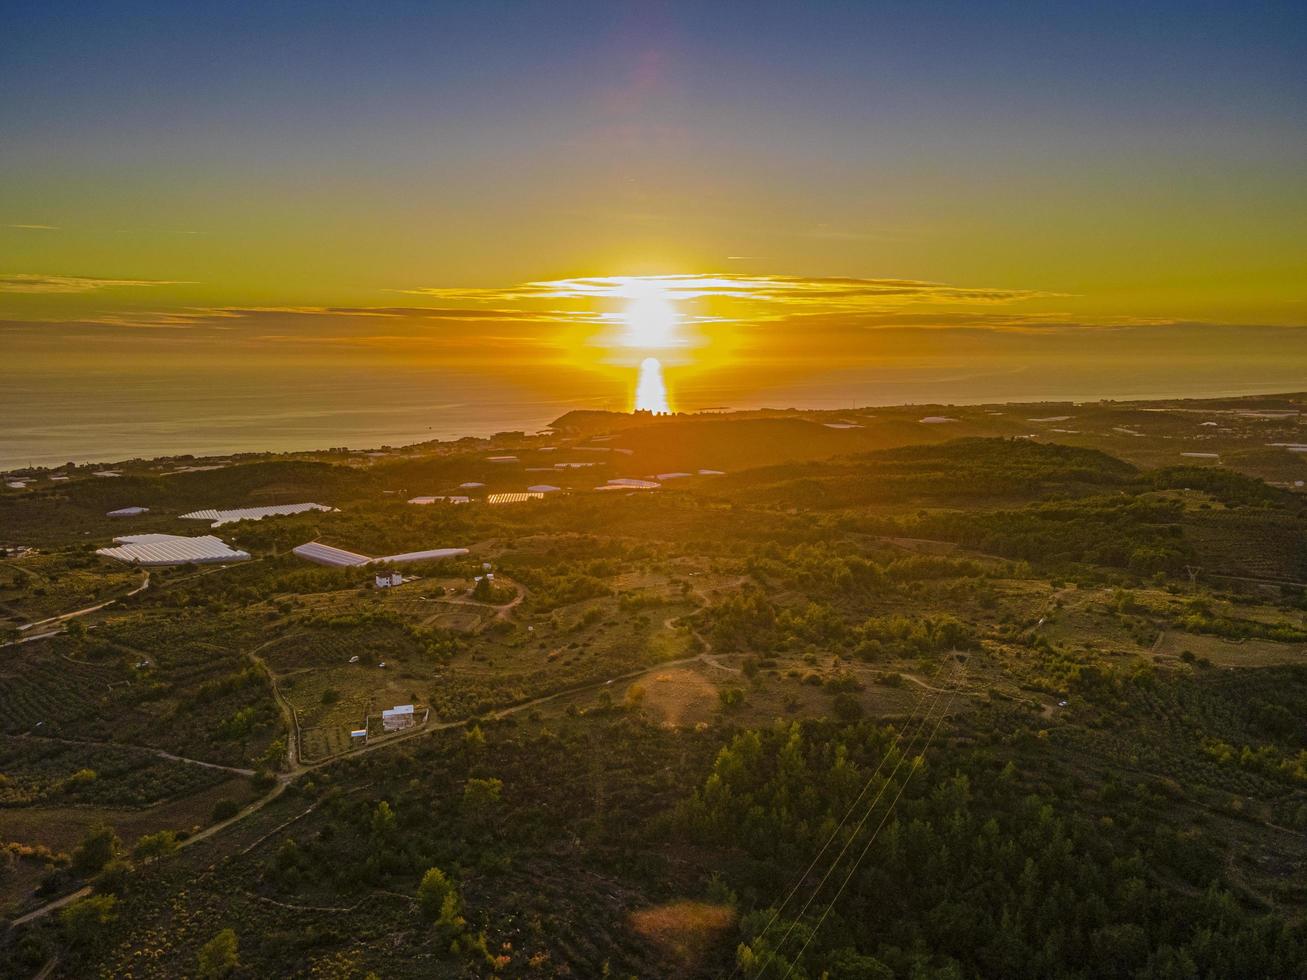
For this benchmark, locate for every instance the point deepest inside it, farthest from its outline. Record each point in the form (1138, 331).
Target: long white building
(325, 554)
(172, 549)
(221, 517)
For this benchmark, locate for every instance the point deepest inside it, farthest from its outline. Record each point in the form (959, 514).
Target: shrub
(85, 921)
(846, 707)
(218, 957)
(100, 846)
(433, 892)
(482, 794)
(159, 844)
(224, 810)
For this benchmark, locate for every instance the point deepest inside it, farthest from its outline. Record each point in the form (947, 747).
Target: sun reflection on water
(650, 390)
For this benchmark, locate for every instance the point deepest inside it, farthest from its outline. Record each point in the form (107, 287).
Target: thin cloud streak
(28, 282)
(832, 292)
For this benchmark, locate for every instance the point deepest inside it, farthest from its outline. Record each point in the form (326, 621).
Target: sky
(818, 187)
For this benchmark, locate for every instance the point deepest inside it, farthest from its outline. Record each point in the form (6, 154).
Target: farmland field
(1071, 673)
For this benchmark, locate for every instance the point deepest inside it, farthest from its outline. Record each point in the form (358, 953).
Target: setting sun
(651, 318)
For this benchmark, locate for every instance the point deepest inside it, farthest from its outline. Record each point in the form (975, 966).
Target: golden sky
(492, 187)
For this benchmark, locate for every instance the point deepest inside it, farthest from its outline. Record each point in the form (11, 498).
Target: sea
(51, 417)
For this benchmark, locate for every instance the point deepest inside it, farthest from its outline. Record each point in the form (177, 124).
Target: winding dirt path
(298, 768)
(159, 753)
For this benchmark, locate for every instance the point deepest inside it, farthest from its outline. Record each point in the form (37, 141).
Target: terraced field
(42, 691)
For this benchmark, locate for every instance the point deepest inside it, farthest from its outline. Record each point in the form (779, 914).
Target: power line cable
(853, 836)
(898, 738)
(867, 847)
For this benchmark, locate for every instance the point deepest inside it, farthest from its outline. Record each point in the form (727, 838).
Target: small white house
(390, 578)
(358, 735)
(397, 718)
(128, 512)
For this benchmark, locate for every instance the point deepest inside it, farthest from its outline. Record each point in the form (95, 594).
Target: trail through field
(41, 579)
(31, 639)
(159, 753)
(145, 584)
(49, 907)
(714, 662)
(288, 715)
(501, 611)
(297, 767)
(1046, 710)
(205, 834)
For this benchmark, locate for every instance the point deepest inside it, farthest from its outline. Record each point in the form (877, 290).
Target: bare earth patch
(679, 697)
(685, 930)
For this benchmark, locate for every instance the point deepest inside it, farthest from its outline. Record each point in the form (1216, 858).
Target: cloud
(407, 312)
(334, 320)
(1001, 319)
(760, 291)
(26, 282)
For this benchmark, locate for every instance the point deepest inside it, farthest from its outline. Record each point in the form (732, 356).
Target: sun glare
(650, 391)
(651, 317)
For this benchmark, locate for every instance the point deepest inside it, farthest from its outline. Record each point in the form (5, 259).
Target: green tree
(474, 739)
(218, 957)
(155, 845)
(383, 821)
(86, 920)
(112, 879)
(481, 795)
(434, 894)
(100, 846)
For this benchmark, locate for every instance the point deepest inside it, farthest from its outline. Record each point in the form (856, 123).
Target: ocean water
(51, 417)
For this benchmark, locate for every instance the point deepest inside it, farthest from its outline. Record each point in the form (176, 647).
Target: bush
(86, 921)
(100, 846)
(433, 892)
(482, 794)
(160, 844)
(846, 707)
(218, 957)
(224, 810)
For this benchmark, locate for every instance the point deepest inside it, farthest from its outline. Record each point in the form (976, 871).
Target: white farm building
(496, 499)
(172, 549)
(221, 517)
(397, 718)
(128, 512)
(325, 554)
